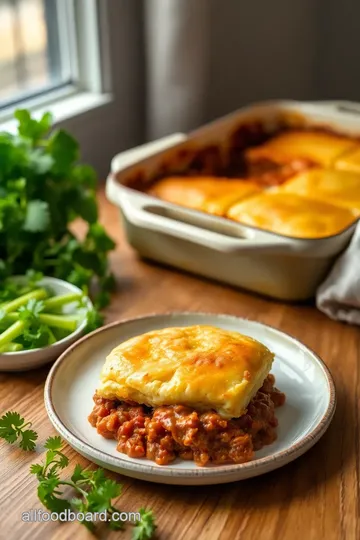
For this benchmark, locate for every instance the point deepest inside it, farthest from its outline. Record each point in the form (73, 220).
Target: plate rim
(278, 459)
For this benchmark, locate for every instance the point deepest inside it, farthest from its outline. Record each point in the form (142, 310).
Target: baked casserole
(330, 185)
(305, 146)
(292, 215)
(209, 194)
(349, 161)
(199, 393)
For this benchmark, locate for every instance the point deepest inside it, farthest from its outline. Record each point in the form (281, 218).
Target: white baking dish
(264, 262)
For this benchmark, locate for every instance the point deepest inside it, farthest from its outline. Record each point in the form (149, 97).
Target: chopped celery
(36, 318)
(57, 302)
(65, 322)
(11, 347)
(11, 333)
(13, 305)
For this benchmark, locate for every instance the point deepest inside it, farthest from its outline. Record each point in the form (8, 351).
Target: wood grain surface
(315, 497)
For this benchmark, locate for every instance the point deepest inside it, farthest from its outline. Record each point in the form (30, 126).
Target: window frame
(104, 111)
(79, 37)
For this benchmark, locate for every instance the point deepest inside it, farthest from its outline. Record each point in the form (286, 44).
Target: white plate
(307, 383)
(34, 358)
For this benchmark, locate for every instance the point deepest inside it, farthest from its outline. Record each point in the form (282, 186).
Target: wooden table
(315, 497)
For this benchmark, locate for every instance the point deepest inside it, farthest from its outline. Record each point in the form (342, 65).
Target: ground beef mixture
(164, 433)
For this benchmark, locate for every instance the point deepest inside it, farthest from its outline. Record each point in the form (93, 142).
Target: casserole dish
(245, 256)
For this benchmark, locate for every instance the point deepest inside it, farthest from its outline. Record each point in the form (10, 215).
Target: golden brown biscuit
(350, 161)
(203, 367)
(336, 187)
(314, 147)
(209, 194)
(292, 215)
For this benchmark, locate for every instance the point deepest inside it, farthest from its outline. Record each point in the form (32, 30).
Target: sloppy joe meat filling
(164, 433)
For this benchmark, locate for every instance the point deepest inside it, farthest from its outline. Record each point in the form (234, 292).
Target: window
(78, 60)
(37, 48)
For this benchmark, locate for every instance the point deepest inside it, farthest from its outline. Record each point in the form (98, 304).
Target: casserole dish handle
(152, 217)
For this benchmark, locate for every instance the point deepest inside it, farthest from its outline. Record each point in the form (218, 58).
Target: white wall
(301, 49)
(259, 49)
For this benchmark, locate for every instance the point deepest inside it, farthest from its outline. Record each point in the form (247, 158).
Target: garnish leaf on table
(14, 427)
(43, 189)
(94, 490)
(145, 528)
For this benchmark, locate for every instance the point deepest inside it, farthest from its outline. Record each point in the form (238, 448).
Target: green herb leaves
(64, 150)
(37, 216)
(145, 528)
(93, 491)
(43, 189)
(13, 427)
(30, 128)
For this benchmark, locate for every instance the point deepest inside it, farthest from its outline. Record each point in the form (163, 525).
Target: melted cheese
(204, 367)
(293, 215)
(212, 195)
(337, 187)
(316, 147)
(349, 161)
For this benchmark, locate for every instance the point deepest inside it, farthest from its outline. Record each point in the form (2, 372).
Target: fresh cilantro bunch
(43, 189)
(13, 427)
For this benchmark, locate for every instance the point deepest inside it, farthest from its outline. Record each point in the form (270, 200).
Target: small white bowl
(34, 358)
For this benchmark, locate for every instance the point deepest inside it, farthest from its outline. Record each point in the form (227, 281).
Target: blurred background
(140, 69)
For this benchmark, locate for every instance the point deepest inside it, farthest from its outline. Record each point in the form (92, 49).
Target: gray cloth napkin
(339, 295)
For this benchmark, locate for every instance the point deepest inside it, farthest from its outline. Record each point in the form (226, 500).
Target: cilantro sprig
(93, 491)
(13, 427)
(144, 528)
(43, 189)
